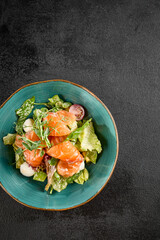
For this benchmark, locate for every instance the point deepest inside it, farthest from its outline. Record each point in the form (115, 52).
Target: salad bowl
(31, 193)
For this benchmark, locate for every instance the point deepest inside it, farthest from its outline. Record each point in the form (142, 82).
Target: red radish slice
(78, 111)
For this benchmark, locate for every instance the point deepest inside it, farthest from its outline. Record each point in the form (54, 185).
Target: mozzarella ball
(26, 170)
(28, 125)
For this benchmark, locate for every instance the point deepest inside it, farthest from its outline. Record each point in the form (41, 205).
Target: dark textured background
(112, 48)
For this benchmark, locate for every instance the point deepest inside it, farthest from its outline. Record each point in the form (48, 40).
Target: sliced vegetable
(40, 176)
(78, 111)
(9, 139)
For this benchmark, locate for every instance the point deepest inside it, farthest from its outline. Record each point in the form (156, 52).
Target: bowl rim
(117, 140)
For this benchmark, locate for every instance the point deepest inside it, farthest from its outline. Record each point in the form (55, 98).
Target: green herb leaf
(39, 124)
(19, 151)
(30, 145)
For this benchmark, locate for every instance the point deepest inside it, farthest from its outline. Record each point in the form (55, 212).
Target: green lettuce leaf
(74, 177)
(73, 136)
(58, 183)
(90, 156)
(83, 177)
(88, 139)
(9, 139)
(19, 160)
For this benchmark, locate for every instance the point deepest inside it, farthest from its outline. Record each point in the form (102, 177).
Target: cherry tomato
(78, 111)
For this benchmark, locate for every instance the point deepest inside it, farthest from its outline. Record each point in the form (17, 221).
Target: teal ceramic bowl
(31, 193)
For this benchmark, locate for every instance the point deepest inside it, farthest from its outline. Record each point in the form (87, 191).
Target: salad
(55, 144)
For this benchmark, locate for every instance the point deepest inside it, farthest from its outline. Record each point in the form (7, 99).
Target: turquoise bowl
(31, 193)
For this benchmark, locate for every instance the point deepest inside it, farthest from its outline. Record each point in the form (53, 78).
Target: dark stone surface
(112, 48)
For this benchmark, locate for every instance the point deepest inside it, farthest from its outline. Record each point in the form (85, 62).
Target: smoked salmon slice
(56, 140)
(31, 136)
(56, 125)
(33, 157)
(18, 141)
(65, 151)
(67, 117)
(66, 169)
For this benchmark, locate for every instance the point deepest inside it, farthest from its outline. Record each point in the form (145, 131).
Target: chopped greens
(30, 145)
(40, 176)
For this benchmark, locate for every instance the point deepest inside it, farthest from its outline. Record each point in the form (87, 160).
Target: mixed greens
(55, 144)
